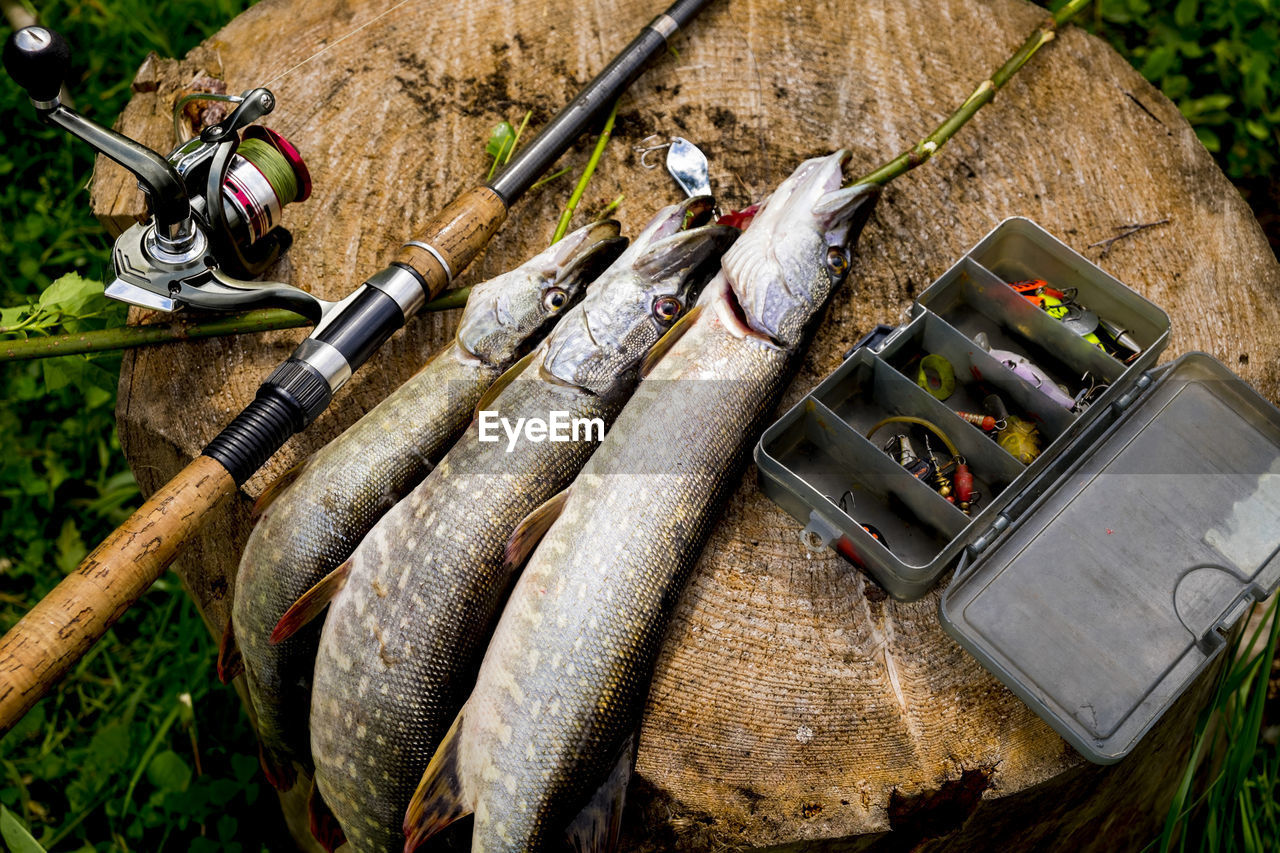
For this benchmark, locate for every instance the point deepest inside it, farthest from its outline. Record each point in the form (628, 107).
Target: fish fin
(230, 663)
(278, 770)
(311, 604)
(598, 825)
(668, 340)
(324, 825)
(276, 488)
(500, 384)
(532, 528)
(439, 799)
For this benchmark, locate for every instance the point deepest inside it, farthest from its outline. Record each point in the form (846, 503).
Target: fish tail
(598, 826)
(278, 769)
(324, 825)
(439, 800)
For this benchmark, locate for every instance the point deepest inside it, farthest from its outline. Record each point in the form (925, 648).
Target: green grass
(1227, 798)
(141, 748)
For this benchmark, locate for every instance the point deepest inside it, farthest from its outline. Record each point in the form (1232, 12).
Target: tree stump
(795, 706)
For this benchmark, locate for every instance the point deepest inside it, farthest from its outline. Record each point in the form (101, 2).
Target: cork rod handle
(456, 234)
(56, 633)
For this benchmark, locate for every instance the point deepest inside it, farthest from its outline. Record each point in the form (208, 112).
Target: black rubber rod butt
(591, 104)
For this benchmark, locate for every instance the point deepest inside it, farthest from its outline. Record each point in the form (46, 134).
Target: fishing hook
(644, 151)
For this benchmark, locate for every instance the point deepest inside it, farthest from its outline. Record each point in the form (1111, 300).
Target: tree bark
(795, 706)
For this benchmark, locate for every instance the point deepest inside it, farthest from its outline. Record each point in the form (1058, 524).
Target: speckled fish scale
(405, 635)
(315, 524)
(550, 724)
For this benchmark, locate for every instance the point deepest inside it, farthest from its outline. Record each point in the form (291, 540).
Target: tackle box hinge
(990, 535)
(1140, 385)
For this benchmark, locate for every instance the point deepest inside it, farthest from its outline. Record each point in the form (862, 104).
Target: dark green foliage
(109, 762)
(1218, 60)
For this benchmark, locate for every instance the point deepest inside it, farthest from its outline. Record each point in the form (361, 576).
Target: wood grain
(795, 706)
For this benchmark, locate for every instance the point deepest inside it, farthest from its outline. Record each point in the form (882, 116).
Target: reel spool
(266, 174)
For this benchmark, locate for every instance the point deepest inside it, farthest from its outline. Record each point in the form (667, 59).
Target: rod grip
(457, 233)
(56, 633)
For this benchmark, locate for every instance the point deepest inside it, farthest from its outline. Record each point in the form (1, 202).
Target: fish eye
(555, 299)
(667, 308)
(837, 261)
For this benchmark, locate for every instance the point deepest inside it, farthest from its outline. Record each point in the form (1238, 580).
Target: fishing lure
(904, 453)
(936, 376)
(984, 422)
(966, 496)
(1020, 439)
(845, 547)
(941, 482)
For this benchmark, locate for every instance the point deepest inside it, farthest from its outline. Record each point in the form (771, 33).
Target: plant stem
(127, 337)
(562, 227)
(927, 147)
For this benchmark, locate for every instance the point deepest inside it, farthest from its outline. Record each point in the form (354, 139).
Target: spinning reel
(215, 202)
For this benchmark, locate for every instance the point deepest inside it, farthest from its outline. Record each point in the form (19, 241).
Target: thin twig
(127, 337)
(927, 147)
(1125, 231)
(562, 227)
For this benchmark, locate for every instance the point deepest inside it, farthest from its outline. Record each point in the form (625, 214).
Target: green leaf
(71, 547)
(15, 835)
(1256, 129)
(168, 772)
(1208, 139)
(70, 294)
(501, 139)
(1159, 62)
(109, 749)
(1184, 14)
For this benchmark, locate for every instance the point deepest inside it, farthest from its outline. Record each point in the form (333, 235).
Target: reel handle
(38, 60)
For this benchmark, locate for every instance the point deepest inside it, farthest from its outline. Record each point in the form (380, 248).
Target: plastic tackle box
(1096, 581)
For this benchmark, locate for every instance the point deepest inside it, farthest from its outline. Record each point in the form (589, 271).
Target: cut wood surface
(795, 705)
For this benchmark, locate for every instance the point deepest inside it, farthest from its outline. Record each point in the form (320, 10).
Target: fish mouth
(794, 252)
(571, 251)
(506, 310)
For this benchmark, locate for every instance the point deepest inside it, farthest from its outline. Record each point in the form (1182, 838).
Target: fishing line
(335, 43)
(278, 171)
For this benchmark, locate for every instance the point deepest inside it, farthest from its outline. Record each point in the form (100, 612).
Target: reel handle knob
(38, 59)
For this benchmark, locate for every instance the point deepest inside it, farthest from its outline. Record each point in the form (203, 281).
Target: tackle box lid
(1101, 601)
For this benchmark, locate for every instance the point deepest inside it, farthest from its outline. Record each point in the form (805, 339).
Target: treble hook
(644, 152)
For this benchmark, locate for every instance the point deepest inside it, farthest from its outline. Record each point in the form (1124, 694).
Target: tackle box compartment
(1099, 579)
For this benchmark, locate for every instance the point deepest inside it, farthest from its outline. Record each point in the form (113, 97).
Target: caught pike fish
(315, 523)
(404, 635)
(544, 745)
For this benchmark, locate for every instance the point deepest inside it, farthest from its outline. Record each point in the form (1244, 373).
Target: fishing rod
(205, 232)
